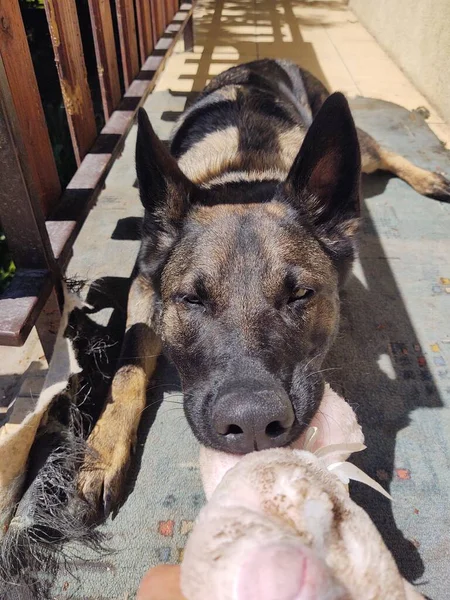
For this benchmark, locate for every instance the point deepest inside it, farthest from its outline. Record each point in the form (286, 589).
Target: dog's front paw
(102, 477)
(438, 187)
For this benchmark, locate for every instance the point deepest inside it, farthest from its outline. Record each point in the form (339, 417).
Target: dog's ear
(165, 193)
(164, 189)
(324, 181)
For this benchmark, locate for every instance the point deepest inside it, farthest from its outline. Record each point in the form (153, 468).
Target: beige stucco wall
(416, 34)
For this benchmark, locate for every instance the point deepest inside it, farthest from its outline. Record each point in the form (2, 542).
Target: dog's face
(247, 277)
(250, 305)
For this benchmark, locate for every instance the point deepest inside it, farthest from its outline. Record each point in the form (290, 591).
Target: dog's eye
(191, 299)
(301, 294)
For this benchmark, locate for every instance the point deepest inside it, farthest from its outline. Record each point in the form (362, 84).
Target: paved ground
(323, 36)
(395, 317)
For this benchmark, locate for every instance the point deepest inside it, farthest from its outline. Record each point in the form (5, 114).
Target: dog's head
(247, 278)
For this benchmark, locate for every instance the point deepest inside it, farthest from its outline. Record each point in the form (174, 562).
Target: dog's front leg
(102, 476)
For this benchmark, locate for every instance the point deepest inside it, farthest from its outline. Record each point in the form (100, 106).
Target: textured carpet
(391, 361)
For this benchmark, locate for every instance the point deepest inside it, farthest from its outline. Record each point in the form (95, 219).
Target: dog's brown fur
(196, 214)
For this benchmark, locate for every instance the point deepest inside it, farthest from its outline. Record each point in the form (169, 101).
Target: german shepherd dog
(249, 232)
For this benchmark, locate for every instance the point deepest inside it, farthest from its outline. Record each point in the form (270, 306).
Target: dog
(249, 233)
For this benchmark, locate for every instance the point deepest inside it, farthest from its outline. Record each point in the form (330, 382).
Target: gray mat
(391, 361)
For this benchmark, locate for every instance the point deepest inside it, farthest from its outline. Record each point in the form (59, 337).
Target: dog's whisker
(172, 409)
(322, 371)
(137, 356)
(328, 417)
(162, 385)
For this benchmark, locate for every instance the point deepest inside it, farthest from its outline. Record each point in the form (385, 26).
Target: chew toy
(280, 525)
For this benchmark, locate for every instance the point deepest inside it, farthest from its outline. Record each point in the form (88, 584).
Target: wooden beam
(169, 10)
(144, 22)
(24, 225)
(175, 5)
(106, 54)
(159, 19)
(128, 40)
(22, 217)
(21, 304)
(64, 28)
(35, 153)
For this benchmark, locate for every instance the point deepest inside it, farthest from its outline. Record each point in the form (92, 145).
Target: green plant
(31, 3)
(7, 267)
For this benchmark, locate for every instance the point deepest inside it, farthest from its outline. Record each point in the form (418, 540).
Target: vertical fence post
(128, 40)
(64, 28)
(105, 54)
(23, 219)
(35, 153)
(159, 19)
(144, 22)
(169, 10)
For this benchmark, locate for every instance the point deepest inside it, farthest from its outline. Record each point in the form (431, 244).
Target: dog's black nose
(251, 417)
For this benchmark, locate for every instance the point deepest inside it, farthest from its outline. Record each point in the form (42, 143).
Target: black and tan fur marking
(249, 231)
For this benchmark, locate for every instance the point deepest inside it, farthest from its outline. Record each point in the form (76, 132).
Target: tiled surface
(324, 36)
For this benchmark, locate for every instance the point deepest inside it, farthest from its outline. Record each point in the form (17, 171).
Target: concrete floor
(323, 36)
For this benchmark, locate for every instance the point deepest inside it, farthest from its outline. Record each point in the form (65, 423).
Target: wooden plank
(22, 218)
(159, 19)
(106, 54)
(154, 24)
(128, 40)
(24, 225)
(35, 152)
(21, 304)
(174, 6)
(169, 10)
(144, 23)
(66, 39)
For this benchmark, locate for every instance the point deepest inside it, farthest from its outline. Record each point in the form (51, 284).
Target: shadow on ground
(377, 364)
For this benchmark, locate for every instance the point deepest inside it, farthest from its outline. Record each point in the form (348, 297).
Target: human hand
(161, 583)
